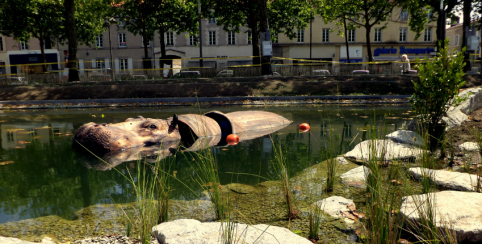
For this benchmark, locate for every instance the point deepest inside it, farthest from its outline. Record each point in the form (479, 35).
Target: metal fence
(279, 69)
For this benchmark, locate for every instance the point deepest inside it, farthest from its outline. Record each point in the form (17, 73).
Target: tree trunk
(368, 29)
(466, 24)
(71, 32)
(163, 47)
(42, 52)
(253, 25)
(346, 40)
(146, 62)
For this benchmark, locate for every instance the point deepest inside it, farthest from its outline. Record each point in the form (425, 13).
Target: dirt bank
(219, 87)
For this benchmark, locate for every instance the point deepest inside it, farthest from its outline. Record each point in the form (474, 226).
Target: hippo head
(134, 132)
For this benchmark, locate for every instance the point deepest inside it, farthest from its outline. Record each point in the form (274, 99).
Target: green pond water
(49, 189)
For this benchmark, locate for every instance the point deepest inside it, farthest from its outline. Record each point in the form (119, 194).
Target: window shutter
(93, 63)
(81, 66)
(117, 66)
(129, 65)
(107, 63)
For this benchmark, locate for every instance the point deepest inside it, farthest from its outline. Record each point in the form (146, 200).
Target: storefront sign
(403, 50)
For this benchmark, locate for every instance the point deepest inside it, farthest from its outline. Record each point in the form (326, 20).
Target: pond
(47, 188)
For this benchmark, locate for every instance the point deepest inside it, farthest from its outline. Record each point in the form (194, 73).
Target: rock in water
(458, 211)
(188, 231)
(336, 207)
(407, 137)
(469, 146)
(355, 177)
(387, 150)
(447, 179)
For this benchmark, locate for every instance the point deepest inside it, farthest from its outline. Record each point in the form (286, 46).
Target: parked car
(187, 74)
(226, 73)
(321, 72)
(360, 72)
(13, 80)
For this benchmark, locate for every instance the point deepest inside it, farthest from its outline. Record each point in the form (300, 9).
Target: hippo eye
(153, 127)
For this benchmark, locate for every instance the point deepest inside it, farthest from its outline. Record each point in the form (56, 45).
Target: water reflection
(47, 177)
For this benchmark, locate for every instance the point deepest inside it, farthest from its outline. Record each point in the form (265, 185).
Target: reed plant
(205, 165)
(281, 173)
(478, 139)
(330, 152)
(147, 211)
(426, 229)
(381, 225)
(151, 184)
(315, 218)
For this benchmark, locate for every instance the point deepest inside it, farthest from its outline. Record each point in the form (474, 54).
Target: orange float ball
(304, 127)
(232, 139)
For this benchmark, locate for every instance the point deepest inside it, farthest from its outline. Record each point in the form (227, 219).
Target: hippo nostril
(104, 124)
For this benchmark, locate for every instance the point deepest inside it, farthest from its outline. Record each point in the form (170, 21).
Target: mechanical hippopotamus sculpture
(141, 137)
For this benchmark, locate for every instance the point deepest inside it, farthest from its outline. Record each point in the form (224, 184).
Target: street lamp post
(200, 35)
(110, 50)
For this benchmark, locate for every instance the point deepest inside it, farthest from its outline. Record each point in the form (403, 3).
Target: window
(121, 22)
(148, 42)
(122, 40)
(250, 38)
(212, 38)
(23, 46)
(212, 21)
(1, 43)
(427, 37)
(351, 35)
(100, 64)
(429, 15)
(403, 35)
(47, 43)
(170, 38)
(192, 40)
(378, 35)
(231, 38)
(457, 40)
(99, 43)
(325, 36)
(301, 36)
(123, 64)
(404, 15)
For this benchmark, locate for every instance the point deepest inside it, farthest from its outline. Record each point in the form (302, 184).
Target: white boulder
(407, 137)
(446, 179)
(458, 211)
(383, 150)
(355, 177)
(337, 207)
(11, 240)
(188, 231)
(469, 146)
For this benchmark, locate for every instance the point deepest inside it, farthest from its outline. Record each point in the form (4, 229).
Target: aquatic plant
(314, 224)
(281, 173)
(151, 186)
(205, 166)
(478, 139)
(382, 223)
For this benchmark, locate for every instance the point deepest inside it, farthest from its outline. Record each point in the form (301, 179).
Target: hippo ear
(175, 120)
